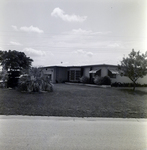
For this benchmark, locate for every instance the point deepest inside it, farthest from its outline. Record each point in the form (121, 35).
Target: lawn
(76, 101)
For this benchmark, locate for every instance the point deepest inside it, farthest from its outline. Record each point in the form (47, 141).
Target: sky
(73, 32)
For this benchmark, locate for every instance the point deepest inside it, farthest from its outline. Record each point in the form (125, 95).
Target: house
(59, 74)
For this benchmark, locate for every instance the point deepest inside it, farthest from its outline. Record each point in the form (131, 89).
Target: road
(65, 133)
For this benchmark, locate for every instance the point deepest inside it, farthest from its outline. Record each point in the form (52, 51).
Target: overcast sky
(73, 32)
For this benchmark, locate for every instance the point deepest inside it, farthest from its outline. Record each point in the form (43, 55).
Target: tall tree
(11, 60)
(14, 63)
(134, 66)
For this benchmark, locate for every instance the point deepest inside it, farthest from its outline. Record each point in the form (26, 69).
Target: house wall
(142, 80)
(124, 79)
(121, 79)
(103, 71)
(118, 78)
(61, 74)
(86, 71)
(75, 68)
(58, 74)
(49, 72)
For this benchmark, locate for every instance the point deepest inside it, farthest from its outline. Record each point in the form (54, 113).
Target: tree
(11, 60)
(14, 62)
(134, 66)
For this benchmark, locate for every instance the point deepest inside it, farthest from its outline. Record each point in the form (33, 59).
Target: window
(78, 74)
(112, 74)
(74, 75)
(98, 73)
(95, 72)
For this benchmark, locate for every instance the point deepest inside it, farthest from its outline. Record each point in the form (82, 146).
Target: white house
(60, 74)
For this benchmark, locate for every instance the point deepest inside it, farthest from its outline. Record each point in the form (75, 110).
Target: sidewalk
(67, 133)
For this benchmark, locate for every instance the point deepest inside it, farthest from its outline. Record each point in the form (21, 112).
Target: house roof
(99, 65)
(80, 66)
(54, 67)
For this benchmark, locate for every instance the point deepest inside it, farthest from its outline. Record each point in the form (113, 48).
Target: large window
(112, 73)
(78, 74)
(95, 73)
(98, 73)
(74, 75)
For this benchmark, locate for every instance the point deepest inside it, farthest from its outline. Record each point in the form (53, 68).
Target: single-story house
(60, 74)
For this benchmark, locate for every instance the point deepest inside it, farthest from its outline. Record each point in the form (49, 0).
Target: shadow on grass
(136, 92)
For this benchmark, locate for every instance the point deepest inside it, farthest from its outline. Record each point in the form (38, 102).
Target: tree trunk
(134, 85)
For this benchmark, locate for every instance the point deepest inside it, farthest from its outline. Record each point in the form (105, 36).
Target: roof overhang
(93, 71)
(113, 71)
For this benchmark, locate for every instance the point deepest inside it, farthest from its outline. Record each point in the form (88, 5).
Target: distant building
(59, 74)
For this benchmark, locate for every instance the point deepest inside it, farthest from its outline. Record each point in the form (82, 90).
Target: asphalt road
(59, 133)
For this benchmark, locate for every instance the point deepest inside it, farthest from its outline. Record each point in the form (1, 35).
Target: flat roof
(81, 66)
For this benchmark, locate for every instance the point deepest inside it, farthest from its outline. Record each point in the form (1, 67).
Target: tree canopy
(134, 66)
(14, 60)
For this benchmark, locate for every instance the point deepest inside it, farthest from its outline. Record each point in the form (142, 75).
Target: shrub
(102, 80)
(106, 80)
(98, 80)
(34, 82)
(117, 84)
(23, 83)
(84, 79)
(144, 85)
(3, 78)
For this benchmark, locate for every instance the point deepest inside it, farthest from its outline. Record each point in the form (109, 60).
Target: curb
(89, 85)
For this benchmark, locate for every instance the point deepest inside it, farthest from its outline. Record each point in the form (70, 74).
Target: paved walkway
(66, 133)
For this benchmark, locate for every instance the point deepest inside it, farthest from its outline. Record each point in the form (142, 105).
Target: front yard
(76, 101)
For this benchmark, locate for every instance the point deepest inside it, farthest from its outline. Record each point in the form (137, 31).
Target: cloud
(1, 48)
(14, 27)
(89, 32)
(15, 43)
(81, 39)
(57, 12)
(90, 54)
(82, 52)
(115, 45)
(81, 31)
(79, 51)
(34, 52)
(28, 29)
(31, 29)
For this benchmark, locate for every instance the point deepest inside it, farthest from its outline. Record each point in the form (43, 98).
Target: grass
(76, 101)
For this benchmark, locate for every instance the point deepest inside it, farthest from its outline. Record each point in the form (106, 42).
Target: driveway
(66, 133)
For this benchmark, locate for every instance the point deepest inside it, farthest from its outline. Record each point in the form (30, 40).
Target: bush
(117, 84)
(144, 85)
(98, 80)
(42, 84)
(34, 82)
(84, 79)
(23, 83)
(106, 80)
(3, 78)
(102, 80)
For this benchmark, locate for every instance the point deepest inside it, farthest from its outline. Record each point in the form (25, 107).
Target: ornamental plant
(98, 80)
(34, 81)
(106, 80)
(84, 79)
(102, 80)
